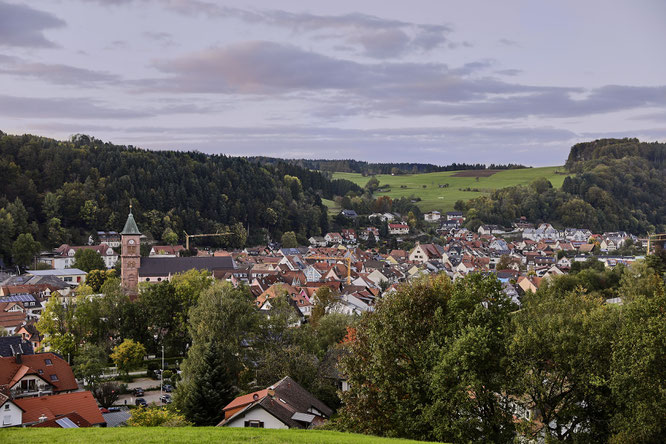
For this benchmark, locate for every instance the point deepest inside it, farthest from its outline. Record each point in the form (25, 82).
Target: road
(151, 394)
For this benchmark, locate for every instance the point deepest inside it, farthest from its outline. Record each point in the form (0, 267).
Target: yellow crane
(188, 236)
(655, 237)
(325, 258)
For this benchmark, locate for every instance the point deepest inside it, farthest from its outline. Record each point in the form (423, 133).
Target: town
(36, 380)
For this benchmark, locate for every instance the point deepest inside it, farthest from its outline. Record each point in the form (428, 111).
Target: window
(67, 279)
(7, 406)
(7, 420)
(256, 424)
(48, 362)
(54, 377)
(40, 371)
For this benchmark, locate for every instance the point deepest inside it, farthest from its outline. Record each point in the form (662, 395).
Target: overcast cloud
(426, 80)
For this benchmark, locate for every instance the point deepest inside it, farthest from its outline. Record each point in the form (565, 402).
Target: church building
(135, 269)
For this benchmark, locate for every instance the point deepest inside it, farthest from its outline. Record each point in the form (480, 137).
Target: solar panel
(22, 297)
(66, 423)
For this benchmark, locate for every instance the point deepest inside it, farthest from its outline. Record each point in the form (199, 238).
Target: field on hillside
(433, 197)
(185, 435)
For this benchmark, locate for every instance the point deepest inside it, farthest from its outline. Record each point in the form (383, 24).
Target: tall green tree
(87, 260)
(289, 240)
(24, 249)
(222, 323)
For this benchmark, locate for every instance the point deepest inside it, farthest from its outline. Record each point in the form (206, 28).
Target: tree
(211, 386)
(106, 393)
(96, 278)
(24, 249)
(90, 364)
(324, 297)
(169, 236)
(389, 361)
(128, 355)
(56, 233)
(223, 320)
(57, 324)
(638, 374)
(559, 360)
(86, 259)
(470, 379)
(504, 262)
(288, 240)
(157, 417)
(372, 185)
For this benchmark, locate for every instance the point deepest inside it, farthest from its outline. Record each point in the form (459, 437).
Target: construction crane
(657, 238)
(188, 236)
(326, 258)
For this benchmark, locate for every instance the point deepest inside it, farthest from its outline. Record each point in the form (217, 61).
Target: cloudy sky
(422, 80)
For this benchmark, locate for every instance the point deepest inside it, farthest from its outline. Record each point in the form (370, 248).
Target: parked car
(138, 391)
(167, 388)
(166, 399)
(141, 402)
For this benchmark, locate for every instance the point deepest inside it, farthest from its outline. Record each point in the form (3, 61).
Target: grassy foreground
(190, 435)
(435, 198)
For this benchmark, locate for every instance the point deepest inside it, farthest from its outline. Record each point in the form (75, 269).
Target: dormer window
(48, 362)
(54, 378)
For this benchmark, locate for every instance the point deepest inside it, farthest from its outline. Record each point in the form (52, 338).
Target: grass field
(426, 186)
(333, 207)
(188, 435)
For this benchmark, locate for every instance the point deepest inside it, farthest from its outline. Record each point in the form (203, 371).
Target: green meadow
(433, 197)
(187, 435)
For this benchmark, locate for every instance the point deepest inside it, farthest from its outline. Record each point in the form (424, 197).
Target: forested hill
(60, 191)
(366, 168)
(615, 184)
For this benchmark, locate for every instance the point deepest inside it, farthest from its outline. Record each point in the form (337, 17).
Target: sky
(429, 81)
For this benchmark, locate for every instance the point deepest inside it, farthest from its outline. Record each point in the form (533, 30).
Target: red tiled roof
(74, 417)
(53, 406)
(11, 372)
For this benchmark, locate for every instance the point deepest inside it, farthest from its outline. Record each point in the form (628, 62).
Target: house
(45, 408)
(36, 375)
(63, 256)
(166, 251)
(398, 228)
(317, 241)
(490, 229)
(349, 213)
(71, 276)
(432, 216)
(284, 405)
(423, 253)
(333, 238)
(349, 235)
(453, 215)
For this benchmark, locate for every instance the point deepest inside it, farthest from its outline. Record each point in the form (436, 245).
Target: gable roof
(284, 400)
(54, 406)
(164, 266)
(11, 371)
(10, 345)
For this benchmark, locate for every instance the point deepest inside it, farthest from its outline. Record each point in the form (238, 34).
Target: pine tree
(210, 386)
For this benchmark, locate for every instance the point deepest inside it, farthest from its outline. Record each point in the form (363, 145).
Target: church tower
(130, 256)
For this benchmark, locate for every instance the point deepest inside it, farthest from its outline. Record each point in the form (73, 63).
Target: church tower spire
(130, 256)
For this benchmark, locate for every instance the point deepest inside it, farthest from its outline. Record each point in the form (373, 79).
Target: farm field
(427, 186)
(186, 435)
(333, 207)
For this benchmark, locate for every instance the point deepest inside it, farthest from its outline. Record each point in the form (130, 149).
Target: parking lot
(151, 392)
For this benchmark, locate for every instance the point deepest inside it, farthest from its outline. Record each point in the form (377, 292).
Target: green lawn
(333, 207)
(190, 435)
(435, 198)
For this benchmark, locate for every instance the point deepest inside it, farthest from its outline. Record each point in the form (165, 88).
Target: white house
(284, 405)
(72, 276)
(432, 216)
(398, 228)
(11, 414)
